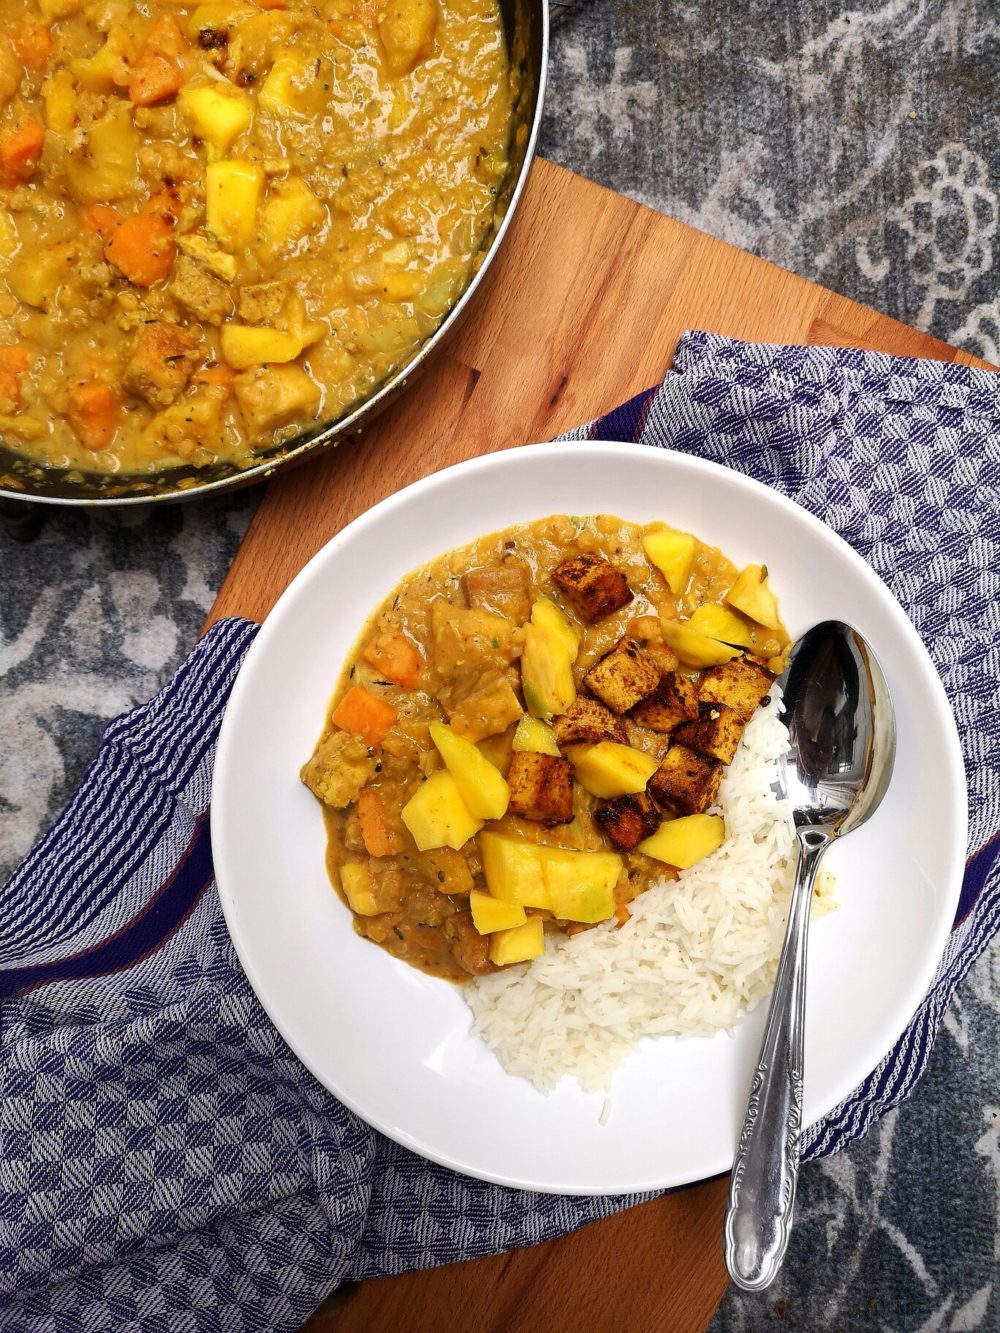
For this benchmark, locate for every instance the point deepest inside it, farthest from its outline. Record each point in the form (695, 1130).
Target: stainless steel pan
(527, 26)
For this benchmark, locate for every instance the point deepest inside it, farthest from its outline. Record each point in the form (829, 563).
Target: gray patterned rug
(855, 144)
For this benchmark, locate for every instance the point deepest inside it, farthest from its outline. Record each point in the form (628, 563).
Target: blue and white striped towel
(166, 1164)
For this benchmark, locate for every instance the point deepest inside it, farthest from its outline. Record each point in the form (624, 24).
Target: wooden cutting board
(583, 308)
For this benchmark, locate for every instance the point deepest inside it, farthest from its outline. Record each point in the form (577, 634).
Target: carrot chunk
(32, 44)
(377, 833)
(220, 376)
(101, 219)
(394, 657)
(143, 249)
(362, 714)
(165, 38)
(14, 361)
(153, 79)
(93, 413)
(19, 153)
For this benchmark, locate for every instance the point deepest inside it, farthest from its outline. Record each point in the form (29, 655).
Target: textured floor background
(854, 143)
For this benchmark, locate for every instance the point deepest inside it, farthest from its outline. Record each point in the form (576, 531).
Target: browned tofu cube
(586, 722)
(541, 787)
(675, 700)
(741, 683)
(593, 586)
(626, 820)
(685, 783)
(623, 677)
(716, 733)
(503, 589)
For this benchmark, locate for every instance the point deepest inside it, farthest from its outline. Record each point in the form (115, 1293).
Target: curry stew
(534, 728)
(222, 222)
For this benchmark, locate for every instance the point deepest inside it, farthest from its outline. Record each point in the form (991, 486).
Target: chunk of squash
(356, 881)
(292, 212)
(104, 168)
(273, 396)
(407, 31)
(218, 112)
(246, 345)
(233, 188)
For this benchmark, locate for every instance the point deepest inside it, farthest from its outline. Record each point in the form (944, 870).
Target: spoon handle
(762, 1187)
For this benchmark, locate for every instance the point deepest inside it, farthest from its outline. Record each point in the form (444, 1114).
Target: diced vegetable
(437, 816)
(752, 594)
(536, 736)
(110, 67)
(59, 9)
(364, 715)
(489, 914)
(246, 345)
(287, 88)
(407, 31)
(104, 167)
(693, 648)
(219, 112)
(483, 790)
(377, 831)
(153, 79)
(14, 361)
(101, 219)
(684, 842)
(59, 95)
(546, 673)
(10, 239)
(719, 623)
(233, 188)
(36, 276)
(272, 396)
(93, 414)
(609, 769)
(672, 553)
(518, 945)
(291, 213)
(356, 881)
(20, 150)
(339, 769)
(143, 248)
(31, 43)
(394, 657)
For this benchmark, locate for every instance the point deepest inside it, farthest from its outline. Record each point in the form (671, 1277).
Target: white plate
(393, 1044)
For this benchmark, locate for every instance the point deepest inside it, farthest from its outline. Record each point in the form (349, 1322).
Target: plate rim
(509, 457)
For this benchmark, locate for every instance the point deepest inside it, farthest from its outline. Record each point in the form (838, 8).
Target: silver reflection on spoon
(842, 742)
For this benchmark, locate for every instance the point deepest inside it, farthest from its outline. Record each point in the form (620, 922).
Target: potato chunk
(675, 700)
(339, 769)
(273, 396)
(717, 732)
(626, 820)
(503, 589)
(593, 586)
(686, 783)
(407, 31)
(623, 677)
(541, 787)
(480, 702)
(741, 684)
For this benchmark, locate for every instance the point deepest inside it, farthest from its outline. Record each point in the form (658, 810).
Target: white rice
(696, 953)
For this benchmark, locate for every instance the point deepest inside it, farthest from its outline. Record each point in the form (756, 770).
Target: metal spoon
(842, 743)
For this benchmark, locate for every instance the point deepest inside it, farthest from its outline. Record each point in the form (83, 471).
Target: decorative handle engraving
(762, 1188)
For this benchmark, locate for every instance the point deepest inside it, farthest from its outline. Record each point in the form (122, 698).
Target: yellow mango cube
(513, 870)
(535, 736)
(518, 945)
(436, 815)
(546, 673)
(610, 769)
(219, 113)
(684, 842)
(546, 613)
(233, 188)
(356, 881)
(694, 648)
(489, 914)
(752, 594)
(718, 622)
(581, 885)
(672, 553)
(246, 345)
(484, 790)
(291, 213)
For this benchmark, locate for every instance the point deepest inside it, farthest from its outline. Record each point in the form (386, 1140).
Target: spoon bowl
(842, 744)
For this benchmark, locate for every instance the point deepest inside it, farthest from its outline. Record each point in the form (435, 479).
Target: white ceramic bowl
(394, 1045)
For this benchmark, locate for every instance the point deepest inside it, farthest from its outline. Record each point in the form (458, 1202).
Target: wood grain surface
(582, 309)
